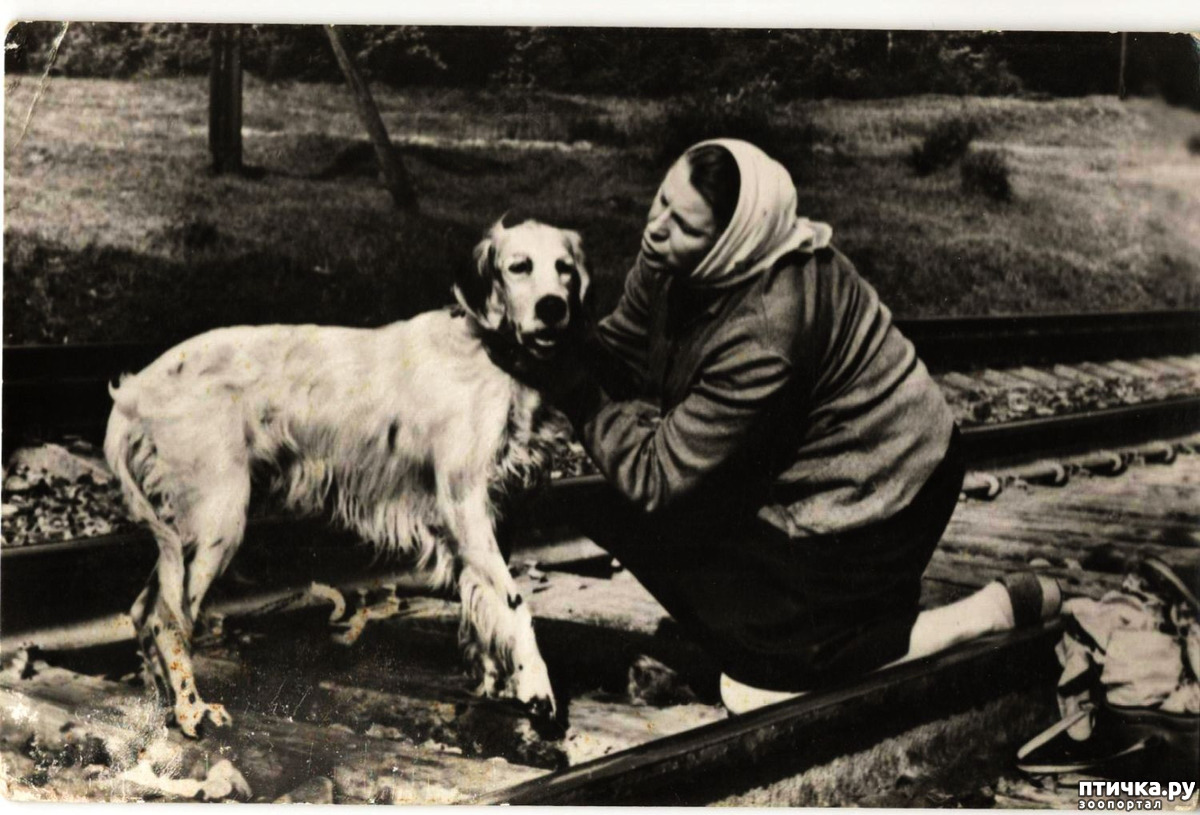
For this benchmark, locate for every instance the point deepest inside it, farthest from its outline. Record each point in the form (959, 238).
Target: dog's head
(530, 280)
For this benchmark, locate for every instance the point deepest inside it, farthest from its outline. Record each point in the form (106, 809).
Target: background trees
(646, 62)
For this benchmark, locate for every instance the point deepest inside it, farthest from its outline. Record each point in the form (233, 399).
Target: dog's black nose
(551, 310)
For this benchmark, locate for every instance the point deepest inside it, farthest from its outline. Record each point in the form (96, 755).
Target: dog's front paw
(530, 686)
(544, 718)
(192, 716)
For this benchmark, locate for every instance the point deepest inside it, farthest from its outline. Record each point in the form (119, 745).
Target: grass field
(115, 230)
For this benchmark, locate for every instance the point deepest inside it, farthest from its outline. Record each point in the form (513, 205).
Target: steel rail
(961, 343)
(64, 387)
(704, 764)
(1129, 425)
(1122, 333)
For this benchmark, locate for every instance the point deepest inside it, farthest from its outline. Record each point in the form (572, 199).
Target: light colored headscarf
(764, 226)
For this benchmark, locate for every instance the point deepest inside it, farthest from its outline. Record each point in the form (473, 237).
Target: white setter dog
(408, 435)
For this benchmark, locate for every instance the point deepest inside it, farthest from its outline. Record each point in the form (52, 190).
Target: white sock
(987, 610)
(739, 698)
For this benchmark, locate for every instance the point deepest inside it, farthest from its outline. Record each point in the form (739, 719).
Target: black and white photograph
(513, 412)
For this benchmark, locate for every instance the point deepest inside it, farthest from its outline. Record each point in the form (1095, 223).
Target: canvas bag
(1129, 692)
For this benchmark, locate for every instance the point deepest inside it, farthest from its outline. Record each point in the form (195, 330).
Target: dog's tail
(130, 455)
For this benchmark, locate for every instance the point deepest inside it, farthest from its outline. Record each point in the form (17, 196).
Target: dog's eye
(564, 266)
(521, 267)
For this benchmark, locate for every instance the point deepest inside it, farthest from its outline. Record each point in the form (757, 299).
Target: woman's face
(680, 228)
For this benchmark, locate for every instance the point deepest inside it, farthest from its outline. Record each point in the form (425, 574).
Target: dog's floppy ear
(575, 247)
(475, 286)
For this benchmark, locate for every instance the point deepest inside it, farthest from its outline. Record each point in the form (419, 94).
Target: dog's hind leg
(219, 526)
(496, 618)
(215, 525)
(158, 617)
(154, 669)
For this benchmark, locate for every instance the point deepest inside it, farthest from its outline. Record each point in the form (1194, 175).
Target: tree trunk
(225, 99)
(1121, 70)
(394, 176)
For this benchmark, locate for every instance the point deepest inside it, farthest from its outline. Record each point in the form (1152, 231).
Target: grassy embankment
(116, 231)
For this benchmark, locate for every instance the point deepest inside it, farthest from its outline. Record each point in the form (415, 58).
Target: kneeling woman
(783, 465)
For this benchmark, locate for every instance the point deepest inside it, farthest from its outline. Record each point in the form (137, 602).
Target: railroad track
(53, 586)
(65, 601)
(64, 388)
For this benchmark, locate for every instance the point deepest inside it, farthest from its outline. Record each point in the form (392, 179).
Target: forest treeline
(644, 62)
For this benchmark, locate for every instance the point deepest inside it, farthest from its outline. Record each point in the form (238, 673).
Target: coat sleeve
(624, 335)
(658, 461)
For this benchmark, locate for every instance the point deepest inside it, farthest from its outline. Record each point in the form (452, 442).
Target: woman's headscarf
(764, 226)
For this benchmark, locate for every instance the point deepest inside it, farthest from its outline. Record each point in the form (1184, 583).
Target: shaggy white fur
(408, 435)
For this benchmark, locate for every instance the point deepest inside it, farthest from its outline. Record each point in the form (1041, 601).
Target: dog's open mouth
(542, 343)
